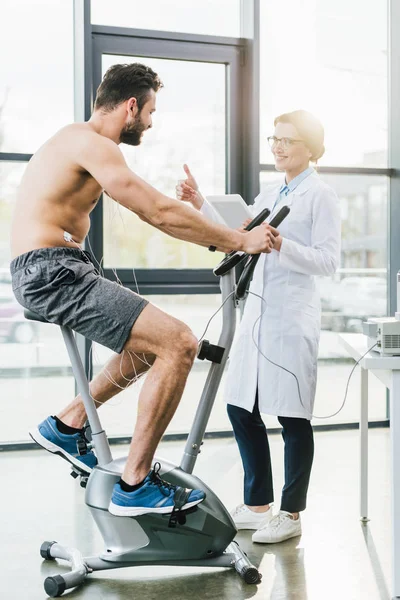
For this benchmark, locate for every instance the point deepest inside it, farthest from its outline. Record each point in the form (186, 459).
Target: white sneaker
(281, 527)
(244, 518)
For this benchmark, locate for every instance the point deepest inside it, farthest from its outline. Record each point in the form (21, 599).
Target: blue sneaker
(72, 447)
(154, 496)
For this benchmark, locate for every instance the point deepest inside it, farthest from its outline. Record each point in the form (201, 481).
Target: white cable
(68, 237)
(216, 312)
(293, 374)
(143, 360)
(133, 366)
(92, 254)
(118, 208)
(124, 226)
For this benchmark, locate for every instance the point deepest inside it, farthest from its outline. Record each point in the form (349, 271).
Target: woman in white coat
(288, 331)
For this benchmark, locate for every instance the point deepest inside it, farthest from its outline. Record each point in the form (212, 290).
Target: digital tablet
(232, 209)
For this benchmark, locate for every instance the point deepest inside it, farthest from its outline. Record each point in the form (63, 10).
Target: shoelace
(275, 521)
(239, 509)
(165, 487)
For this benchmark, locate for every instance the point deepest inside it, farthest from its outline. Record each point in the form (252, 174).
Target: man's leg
(174, 347)
(64, 434)
(169, 347)
(156, 339)
(140, 490)
(120, 372)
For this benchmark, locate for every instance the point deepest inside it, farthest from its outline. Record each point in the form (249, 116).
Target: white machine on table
(385, 331)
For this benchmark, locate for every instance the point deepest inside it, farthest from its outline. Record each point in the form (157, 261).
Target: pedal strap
(180, 499)
(81, 446)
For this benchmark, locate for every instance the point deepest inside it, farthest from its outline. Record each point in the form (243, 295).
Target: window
(210, 17)
(36, 72)
(329, 58)
(10, 176)
(188, 127)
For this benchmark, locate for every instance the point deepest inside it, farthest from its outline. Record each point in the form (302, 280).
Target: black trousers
(251, 436)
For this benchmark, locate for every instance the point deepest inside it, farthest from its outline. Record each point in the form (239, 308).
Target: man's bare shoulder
(82, 134)
(83, 145)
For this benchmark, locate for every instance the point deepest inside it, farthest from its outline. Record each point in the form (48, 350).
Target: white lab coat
(289, 329)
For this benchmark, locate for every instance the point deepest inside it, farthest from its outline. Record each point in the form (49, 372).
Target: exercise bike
(200, 536)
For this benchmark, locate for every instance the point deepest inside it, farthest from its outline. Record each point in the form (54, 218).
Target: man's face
(136, 125)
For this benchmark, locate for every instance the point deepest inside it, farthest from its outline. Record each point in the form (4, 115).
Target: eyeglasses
(286, 142)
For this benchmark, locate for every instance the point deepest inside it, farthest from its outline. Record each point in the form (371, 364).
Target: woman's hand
(187, 190)
(277, 236)
(242, 228)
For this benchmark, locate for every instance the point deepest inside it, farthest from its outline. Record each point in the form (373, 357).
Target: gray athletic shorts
(63, 286)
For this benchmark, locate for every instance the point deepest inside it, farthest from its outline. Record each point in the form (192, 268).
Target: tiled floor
(337, 558)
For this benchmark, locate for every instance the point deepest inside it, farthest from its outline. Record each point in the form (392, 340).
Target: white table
(387, 370)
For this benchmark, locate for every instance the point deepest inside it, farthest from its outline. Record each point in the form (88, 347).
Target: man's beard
(132, 132)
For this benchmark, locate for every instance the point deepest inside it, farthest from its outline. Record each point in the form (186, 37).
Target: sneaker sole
(54, 449)
(253, 526)
(129, 511)
(287, 537)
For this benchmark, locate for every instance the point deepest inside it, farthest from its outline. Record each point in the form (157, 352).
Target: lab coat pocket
(301, 296)
(303, 311)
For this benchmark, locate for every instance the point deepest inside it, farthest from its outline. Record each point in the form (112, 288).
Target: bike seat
(32, 316)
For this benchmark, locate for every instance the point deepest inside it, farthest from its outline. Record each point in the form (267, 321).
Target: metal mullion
(174, 289)
(176, 278)
(250, 31)
(168, 49)
(165, 35)
(96, 237)
(222, 434)
(164, 275)
(388, 172)
(233, 150)
(82, 112)
(393, 255)
(15, 157)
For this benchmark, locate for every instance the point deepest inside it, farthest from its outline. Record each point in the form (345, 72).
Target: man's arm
(102, 158)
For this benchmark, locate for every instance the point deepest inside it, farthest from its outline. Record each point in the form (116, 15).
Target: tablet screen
(232, 208)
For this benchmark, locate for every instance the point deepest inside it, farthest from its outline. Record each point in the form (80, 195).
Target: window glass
(10, 176)
(210, 17)
(187, 128)
(35, 375)
(328, 57)
(36, 72)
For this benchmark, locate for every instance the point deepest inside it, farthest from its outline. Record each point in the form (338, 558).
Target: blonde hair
(309, 128)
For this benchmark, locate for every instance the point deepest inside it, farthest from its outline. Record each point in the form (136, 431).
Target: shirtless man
(55, 278)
